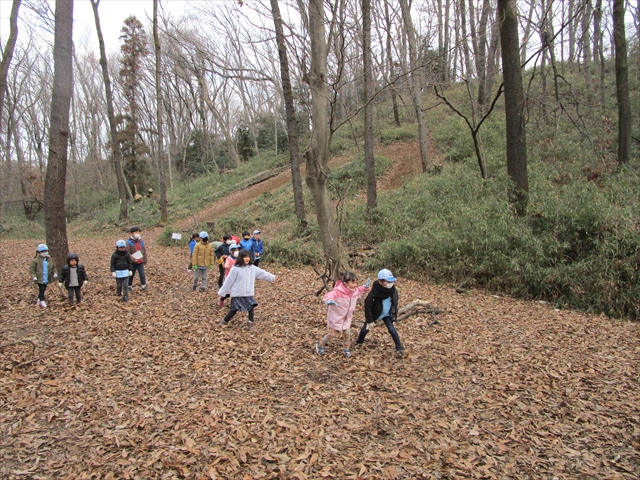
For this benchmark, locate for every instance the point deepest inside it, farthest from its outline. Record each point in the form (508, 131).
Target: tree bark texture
(416, 94)
(159, 117)
(622, 83)
(7, 55)
(369, 159)
(318, 150)
(292, 124)
(514, 106)
(54, 187)
(113, 126)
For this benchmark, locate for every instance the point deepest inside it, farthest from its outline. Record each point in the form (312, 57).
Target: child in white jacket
(240, 284)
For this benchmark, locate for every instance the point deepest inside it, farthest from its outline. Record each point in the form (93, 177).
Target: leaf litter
(154, 388)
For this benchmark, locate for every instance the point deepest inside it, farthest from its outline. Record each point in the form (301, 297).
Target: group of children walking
(238, 267)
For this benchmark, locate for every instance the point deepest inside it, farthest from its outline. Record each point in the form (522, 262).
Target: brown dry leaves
(155, 389)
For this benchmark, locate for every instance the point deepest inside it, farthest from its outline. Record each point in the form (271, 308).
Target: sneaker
(400, 350)
(144, 287)
(43, 304)
(251, 325)
(202, 290)
(194, 288)
(319, 349)
(130, 288)
(37, 303)
(347, 353)
(125, 299)
(223, 323)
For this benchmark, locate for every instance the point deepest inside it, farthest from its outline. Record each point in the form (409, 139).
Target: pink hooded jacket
(339, 316)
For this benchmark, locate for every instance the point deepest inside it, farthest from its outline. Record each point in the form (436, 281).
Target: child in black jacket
(73, 277)
(221, 254)
(382, 304)
(121, 269)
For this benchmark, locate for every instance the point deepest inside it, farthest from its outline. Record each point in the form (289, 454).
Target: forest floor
(155, 388)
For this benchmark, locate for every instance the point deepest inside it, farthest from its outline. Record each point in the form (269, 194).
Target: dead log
(19, 342)
(417, 307)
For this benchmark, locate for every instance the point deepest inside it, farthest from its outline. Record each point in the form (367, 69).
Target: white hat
(386, 275)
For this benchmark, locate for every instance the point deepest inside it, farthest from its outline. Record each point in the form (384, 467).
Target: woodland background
(395, 153)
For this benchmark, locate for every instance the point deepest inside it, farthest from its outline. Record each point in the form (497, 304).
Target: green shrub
(402, 133)
(165, 239)
(293, 252)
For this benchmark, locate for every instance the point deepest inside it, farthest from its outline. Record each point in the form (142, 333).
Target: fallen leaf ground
(155, 389)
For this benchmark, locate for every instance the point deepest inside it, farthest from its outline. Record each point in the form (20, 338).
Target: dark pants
(232, 313)
(138, 267)
(221, 277)
(256, 262)
(392, 330)
(70, 292)
(41, 288)
(121, 288)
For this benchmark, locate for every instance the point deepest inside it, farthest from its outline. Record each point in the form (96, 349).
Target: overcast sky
(112, 15)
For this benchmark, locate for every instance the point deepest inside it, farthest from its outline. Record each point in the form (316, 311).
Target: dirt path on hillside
(406, 163)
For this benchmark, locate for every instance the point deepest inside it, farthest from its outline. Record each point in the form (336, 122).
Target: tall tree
(514, 106)
(317, 154)
(416, 95)
(290, 111)
(134, 49)
(116, 154)
(369, 160)
(159, 117)
(7, 55)
(54, 188)
(4, 71)
(622, 83)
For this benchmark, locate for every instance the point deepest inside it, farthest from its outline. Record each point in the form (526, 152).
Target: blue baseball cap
(204, 234)
(386, 275)
(256, 232)
(42, 248)
(233, 246)
(121, 243)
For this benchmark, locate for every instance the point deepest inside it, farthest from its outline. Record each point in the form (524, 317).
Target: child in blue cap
(382, 304)
(121, 269)
(43, 272)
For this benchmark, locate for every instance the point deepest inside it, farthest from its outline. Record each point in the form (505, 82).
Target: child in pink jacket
(342, 303)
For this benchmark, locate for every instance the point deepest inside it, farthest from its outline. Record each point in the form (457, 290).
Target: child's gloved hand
(195, 267)
(55, 275)
(368, 326)
(367, 283)
(331, 302)
(113, 274)
(210, 266)
(60, 284)
(85, 282)
(35, 279)
(130, 273)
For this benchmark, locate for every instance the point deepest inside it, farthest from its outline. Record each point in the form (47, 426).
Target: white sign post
(176, 237)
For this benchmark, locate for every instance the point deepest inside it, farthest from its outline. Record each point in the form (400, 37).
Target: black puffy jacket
(373, 302)
(120, 260)
(66, 271)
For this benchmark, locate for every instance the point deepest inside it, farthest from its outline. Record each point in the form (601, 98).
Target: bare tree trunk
(598, 48)
(416, 94)
(527, 33)
(7, 55)
(481, 55)
(447, 42)
(586, 48)
(514, 106)
(369, 160)
(622, 83)
(113, 127)
(393, 73)
(54, 188)
(159, 118)
(318, 150)
(292, 124)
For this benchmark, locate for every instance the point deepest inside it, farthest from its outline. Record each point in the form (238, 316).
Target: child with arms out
(240, 284)
(342, 302)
